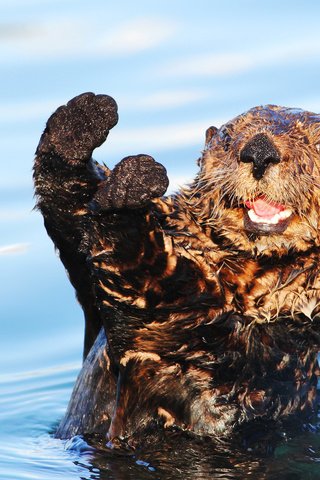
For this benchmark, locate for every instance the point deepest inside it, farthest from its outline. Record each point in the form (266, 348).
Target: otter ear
(210, 133)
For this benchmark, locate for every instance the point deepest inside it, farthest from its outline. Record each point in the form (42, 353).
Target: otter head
(259, 184)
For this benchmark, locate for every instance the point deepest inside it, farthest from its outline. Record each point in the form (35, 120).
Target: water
(175, 68)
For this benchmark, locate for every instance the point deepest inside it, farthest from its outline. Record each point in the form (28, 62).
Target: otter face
(259, 182)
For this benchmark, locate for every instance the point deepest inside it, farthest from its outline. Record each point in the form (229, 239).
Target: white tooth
(285, 213)
(269, 220)
(253, 217)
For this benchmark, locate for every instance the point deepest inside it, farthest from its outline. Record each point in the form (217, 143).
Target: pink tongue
(262, 208)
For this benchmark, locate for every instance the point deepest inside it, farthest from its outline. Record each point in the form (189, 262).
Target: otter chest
(267, 291)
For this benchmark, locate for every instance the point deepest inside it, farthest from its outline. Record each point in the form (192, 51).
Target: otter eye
(225, 137)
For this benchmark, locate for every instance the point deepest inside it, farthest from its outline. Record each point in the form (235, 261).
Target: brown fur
(210, 323)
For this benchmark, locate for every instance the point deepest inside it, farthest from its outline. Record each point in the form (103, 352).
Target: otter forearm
(89, 209)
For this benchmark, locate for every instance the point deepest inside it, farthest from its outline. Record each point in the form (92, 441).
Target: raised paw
(76, 129)
(132, 184)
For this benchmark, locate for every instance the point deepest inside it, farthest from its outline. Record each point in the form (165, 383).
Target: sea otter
(209, 298)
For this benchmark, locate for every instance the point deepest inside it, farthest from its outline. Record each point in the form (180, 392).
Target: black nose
(260, 151)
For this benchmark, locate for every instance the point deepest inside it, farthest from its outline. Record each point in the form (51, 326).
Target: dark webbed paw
(79, 127)
(132, 184)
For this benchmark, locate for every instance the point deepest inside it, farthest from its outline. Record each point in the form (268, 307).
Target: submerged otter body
(209, 298)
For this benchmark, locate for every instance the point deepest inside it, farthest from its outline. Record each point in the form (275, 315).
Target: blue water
(174, 67)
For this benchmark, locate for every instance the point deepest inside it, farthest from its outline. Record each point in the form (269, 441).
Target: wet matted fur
(209, 298)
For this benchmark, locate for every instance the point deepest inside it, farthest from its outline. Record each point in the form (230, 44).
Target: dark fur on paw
(76, 129)
(132, 184)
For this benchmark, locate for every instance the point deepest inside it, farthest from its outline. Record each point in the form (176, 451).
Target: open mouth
(265, 217)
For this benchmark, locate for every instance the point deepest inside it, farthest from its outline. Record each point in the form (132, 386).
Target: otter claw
(76, 129)
(132, 184)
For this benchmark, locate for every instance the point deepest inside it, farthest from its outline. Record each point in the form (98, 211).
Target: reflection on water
(178, 456)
